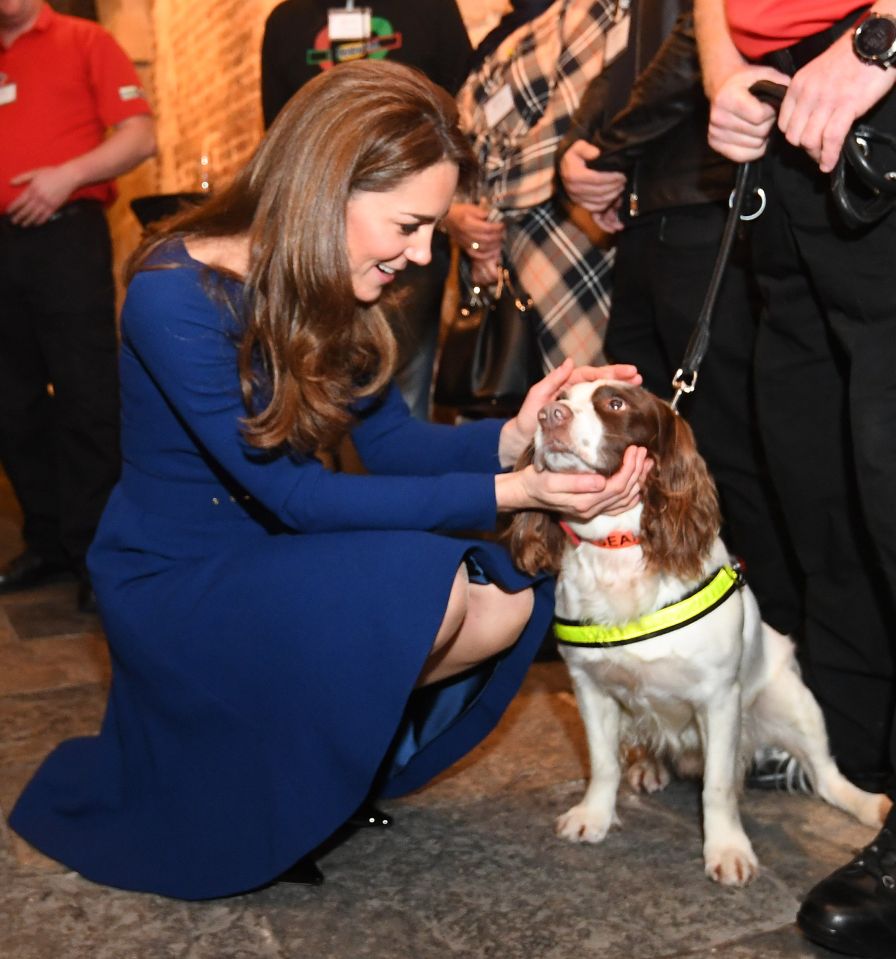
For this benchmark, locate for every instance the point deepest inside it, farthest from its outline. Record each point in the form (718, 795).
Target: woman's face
(386, 231)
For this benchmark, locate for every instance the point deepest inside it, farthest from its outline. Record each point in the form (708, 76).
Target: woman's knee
(498, 618)
(480, 621)
(523, 605)
(455, 610)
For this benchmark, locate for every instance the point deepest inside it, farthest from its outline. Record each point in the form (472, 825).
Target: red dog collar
(615, 540)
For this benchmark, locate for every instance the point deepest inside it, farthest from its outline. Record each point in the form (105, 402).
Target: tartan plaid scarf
(546, 64)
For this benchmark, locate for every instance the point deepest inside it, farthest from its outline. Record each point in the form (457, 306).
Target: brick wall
(199, 61)
(207, 80)
(207, 86)
(130, 22)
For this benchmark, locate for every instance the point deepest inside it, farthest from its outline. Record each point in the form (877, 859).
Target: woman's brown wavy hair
(308, 348)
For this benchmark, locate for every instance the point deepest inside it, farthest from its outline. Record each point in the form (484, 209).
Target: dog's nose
(554, 415)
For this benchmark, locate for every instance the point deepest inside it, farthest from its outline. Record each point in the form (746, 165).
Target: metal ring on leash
(750, 216)
(682, 386)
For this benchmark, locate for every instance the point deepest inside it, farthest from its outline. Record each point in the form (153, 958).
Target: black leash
(685, 379)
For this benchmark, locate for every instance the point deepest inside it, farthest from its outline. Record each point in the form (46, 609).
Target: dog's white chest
(656, 689)
(609, 592)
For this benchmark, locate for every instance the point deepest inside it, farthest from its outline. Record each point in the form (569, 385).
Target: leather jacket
(659, 137)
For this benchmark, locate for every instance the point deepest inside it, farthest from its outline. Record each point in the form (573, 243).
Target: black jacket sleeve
(666, 92)
(659, 137)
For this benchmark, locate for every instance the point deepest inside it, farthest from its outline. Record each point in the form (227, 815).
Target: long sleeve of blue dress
(422, 476)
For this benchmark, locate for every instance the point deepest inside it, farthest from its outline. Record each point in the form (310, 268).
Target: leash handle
(769, 92)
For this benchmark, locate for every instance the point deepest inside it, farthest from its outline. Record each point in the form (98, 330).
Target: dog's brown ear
(680, 520)
(534, 536)
(536, 542)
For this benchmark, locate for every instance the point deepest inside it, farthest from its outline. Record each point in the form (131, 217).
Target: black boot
(29, 570)
(367, 815)
(305, 871)
(853, 911)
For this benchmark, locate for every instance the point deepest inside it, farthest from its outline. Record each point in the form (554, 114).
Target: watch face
(876, 36)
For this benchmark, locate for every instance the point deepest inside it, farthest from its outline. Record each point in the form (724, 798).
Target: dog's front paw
(732, 864)
(585, 824)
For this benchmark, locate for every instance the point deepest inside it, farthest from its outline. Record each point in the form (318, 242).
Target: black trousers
(826, 389)
(663, 265)
(59, 446)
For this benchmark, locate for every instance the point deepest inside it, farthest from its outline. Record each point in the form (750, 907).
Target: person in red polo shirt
(826, 381)
(72, 118)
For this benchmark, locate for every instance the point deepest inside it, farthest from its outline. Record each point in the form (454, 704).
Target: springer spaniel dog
(671, 664)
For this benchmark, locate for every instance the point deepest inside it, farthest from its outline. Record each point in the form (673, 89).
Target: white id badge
(348, 23)
(498, 106)
(7, 94)
(617, 39)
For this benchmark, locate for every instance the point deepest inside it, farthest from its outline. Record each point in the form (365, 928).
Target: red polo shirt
(760, 26)
(63, 83)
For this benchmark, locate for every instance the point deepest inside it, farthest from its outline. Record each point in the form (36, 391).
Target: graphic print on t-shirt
(383, 38)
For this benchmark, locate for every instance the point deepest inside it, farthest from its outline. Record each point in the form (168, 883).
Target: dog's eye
(616, 403)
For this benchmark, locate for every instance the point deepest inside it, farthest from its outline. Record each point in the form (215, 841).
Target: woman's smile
(386, 231)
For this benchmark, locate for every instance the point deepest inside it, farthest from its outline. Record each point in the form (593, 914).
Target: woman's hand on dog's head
(519, 432)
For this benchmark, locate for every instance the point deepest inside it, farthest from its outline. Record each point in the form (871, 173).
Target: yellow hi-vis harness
(703, 600)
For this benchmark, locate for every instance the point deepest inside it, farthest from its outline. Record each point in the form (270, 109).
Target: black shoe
(28, 570)
(853, 911)
(367, 815)
(305, 871)
(775, 769)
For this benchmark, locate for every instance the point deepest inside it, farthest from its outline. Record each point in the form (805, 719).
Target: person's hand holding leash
(739, 123)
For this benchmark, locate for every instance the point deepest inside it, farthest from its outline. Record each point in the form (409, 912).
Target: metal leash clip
(682, 386)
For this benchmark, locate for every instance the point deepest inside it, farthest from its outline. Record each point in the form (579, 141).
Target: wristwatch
(874, 40)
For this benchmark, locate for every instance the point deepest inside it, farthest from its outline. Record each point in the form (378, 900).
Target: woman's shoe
(304, 871)
(369, 816)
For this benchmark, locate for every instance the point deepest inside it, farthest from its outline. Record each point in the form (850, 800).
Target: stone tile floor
(471, 868)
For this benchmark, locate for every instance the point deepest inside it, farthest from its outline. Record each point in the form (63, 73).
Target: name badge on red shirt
(8, 91)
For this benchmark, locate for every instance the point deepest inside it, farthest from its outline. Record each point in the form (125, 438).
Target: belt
(75, 208)
(795, 57)
(190, 502)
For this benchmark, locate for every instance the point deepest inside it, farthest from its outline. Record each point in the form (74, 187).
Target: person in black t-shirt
(430, 36)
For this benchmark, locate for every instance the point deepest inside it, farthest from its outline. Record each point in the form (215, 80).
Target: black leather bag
(489, 355)
(863, 182)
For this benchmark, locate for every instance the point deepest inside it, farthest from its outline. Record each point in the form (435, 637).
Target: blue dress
(267, 620)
